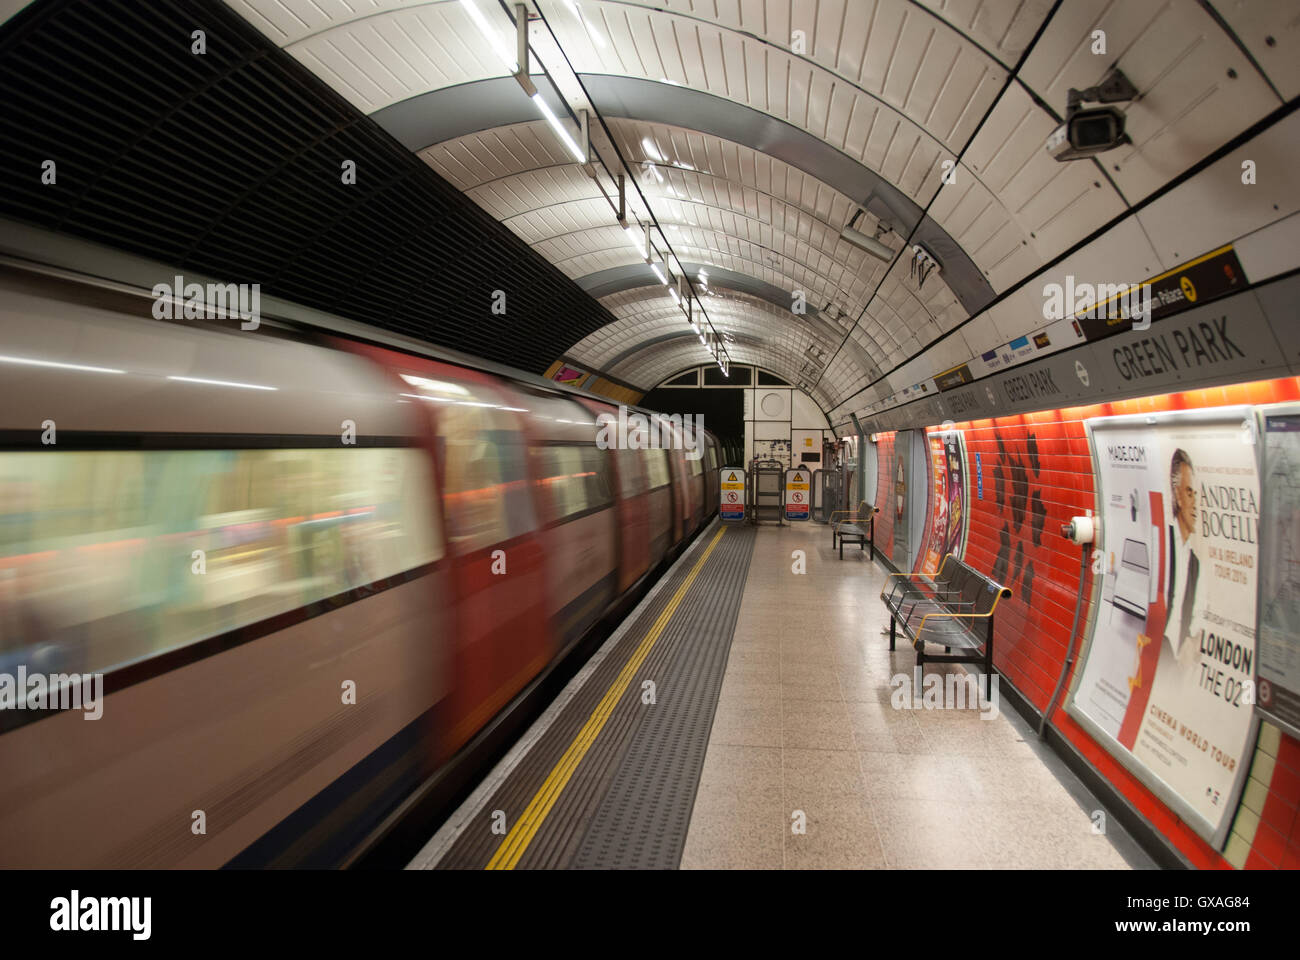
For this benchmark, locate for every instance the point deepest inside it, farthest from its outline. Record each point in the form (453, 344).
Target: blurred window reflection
(657, 464)
(632, 478)
(96, 547)
(573, 478)
(486, 494)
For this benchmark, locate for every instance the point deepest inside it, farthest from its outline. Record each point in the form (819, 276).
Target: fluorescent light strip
(493, 38)
(592, 31)
(223, 383)
(659, 273)
(560, 132)
(637, 238)
(27, 361)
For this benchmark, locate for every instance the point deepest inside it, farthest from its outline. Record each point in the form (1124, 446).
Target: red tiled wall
(1016, 538)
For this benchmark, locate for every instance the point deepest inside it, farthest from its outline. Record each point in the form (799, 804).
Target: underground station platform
(741, 718)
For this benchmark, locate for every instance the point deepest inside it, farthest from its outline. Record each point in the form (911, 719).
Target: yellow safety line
(526, 827)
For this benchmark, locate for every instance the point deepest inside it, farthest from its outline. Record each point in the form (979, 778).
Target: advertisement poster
(569, 375)
(902, 447)
(1278, 695)
(1167, 678)
(947, 529)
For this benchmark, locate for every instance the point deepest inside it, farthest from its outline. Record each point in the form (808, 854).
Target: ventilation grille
(230, 164)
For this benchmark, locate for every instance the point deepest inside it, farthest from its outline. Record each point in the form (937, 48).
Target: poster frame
(958, 439)
(1215, 836)
(1291, 409)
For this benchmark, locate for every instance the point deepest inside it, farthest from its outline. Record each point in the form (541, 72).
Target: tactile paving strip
(642, 821)
(667, 738)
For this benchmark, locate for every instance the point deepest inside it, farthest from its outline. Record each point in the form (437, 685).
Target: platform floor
(805, 723)
(772, 742)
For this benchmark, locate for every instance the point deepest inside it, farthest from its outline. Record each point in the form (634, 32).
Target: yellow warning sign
(732, 504)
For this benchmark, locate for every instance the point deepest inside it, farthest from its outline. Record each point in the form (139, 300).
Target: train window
(657, 465)
(697, 465)
(632, 479)
(713, 457)
(573, 477)
(98, 561)
(486, 492)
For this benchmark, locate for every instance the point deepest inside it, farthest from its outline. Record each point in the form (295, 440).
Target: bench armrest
(960, 616)
(921, 607)
(904, 579)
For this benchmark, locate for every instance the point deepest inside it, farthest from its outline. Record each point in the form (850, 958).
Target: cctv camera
(1087, 133)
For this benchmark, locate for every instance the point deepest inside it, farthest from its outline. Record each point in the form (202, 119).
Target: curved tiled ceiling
(930, 114)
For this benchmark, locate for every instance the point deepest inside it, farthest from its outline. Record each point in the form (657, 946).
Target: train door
(500, 637)
(633, 517)
(661, 499)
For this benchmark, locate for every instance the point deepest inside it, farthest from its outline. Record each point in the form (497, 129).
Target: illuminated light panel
(558, 127)
(491, 36)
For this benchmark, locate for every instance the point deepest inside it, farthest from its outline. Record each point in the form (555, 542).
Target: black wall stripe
(229, 164)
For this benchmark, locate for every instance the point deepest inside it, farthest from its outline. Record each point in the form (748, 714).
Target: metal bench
(953, 609)
(855, 526)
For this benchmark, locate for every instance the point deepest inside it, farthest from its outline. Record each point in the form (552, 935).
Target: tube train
(308, 569)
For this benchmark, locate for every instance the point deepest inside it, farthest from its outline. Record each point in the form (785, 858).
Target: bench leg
(841, 549)
(988, 663)
(891, 631)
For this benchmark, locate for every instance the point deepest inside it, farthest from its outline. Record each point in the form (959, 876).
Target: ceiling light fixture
(869, 244)
(579, 154)
(491, 36)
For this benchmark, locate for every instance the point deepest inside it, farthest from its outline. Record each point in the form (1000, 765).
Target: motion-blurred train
(309, 569)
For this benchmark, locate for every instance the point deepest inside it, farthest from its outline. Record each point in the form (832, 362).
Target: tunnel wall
(1037, 473)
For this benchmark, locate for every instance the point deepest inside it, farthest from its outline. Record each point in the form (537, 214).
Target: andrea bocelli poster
(1167, 682)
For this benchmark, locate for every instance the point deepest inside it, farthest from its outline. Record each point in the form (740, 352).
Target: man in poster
(1184, 565)
(1179, 495)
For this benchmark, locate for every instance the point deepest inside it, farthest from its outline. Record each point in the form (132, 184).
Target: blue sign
(979, 478)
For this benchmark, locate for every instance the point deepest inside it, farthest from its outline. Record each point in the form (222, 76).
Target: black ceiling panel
(229, 164)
